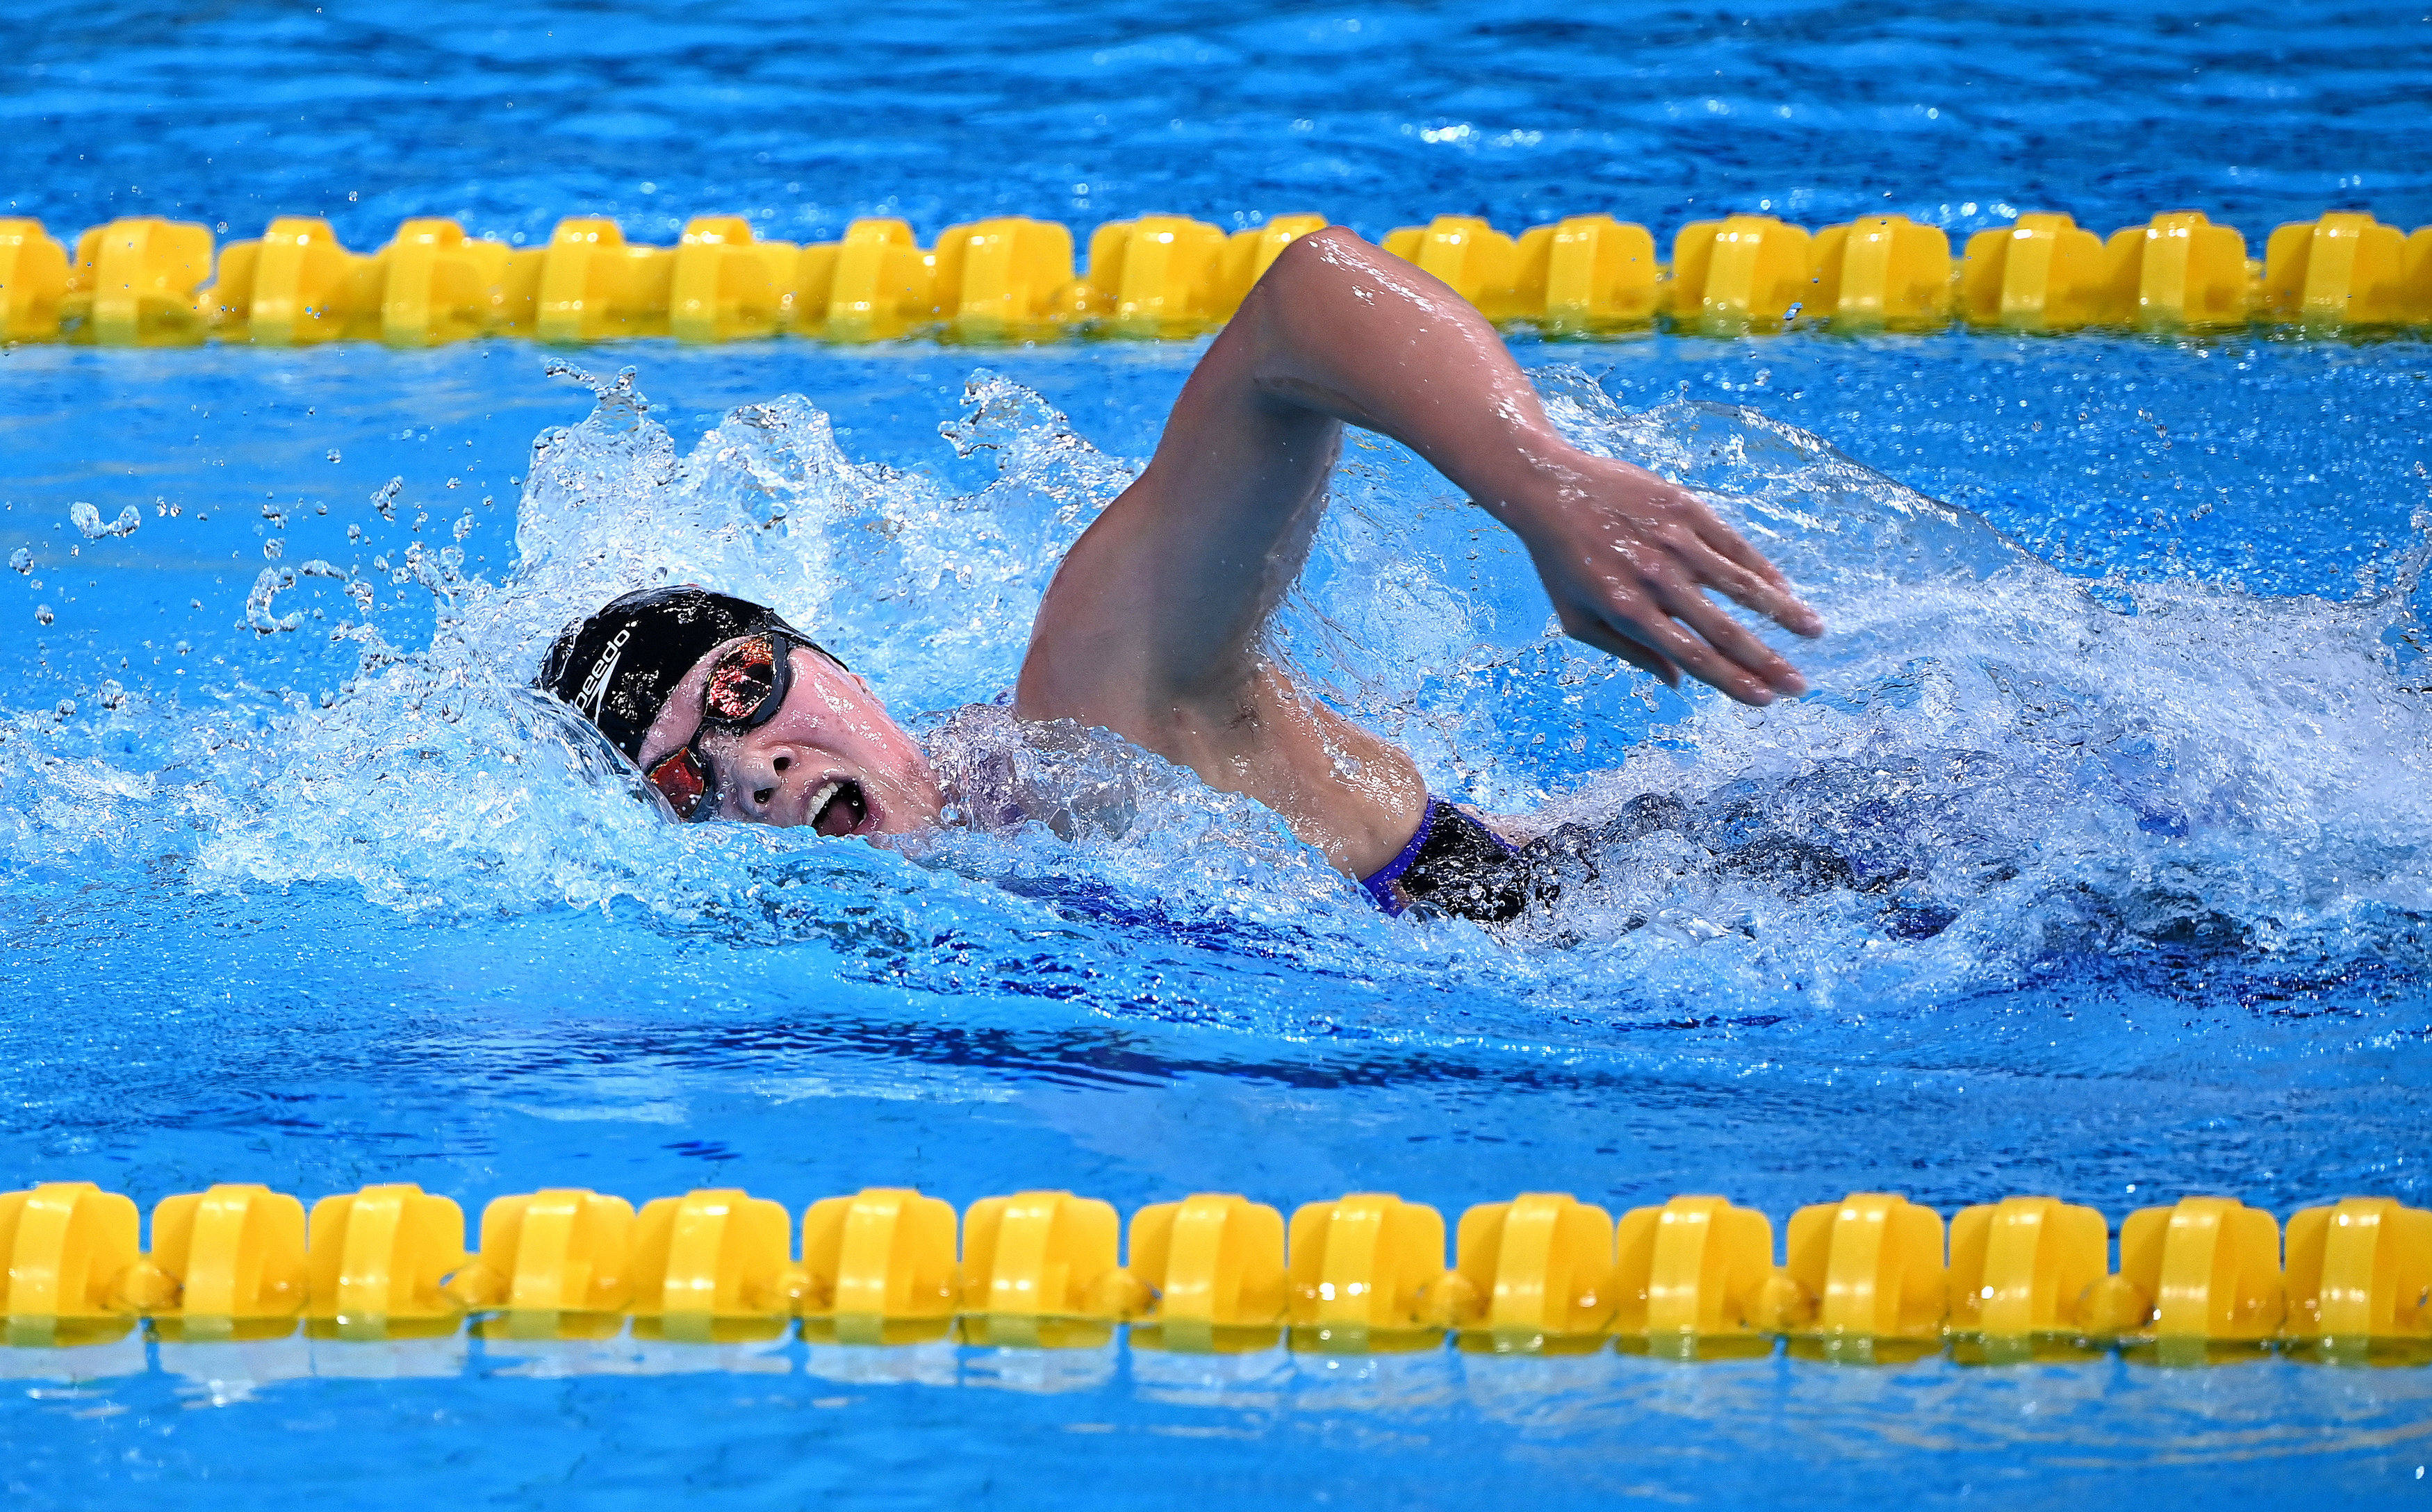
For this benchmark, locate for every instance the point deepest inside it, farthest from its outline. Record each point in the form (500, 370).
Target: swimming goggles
(747, 685)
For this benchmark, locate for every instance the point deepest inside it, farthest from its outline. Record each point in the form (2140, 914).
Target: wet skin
(1153, 626)
(832, 757)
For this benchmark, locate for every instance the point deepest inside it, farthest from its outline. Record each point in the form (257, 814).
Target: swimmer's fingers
(1635, 626)
(1696, 657)
(1769, 596)
(1596, 632)
(1630, 578)
(1729, 543)
(1635, 614)
(1742, 571)
(1744, 666)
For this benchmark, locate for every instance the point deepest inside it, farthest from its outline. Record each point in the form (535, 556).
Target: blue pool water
(2131, 728)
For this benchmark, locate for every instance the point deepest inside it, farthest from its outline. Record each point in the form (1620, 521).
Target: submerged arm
(1150, 626)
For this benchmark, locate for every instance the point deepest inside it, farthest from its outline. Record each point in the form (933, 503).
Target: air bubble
(274, 548)
(333, 455)
(42, 614)
(22, 560)
(384, 497)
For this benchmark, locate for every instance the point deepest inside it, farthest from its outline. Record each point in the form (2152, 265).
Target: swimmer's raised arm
(1150, 626)
(1341, 331)
(1366, 338)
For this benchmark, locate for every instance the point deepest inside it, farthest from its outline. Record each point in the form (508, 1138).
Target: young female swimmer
(1153, 626)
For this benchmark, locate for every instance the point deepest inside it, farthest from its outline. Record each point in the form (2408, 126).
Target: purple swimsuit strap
(1379, 884)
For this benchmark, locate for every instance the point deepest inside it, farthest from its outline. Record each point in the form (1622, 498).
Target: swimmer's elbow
(1318, 255)
(1290, 304)
(1311, 314)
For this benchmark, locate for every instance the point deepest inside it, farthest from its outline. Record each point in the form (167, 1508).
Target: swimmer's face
(831, 758)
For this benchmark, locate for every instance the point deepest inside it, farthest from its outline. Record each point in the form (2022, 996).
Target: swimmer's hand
(1629, 560)
(1343, 330)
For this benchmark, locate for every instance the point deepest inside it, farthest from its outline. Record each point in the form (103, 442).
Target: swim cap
(617, 667)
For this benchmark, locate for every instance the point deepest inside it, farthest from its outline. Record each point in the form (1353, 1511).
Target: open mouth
(840, 808)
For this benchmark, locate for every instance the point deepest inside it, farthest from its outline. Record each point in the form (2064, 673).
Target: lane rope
(1870, 1278)
(147, 281)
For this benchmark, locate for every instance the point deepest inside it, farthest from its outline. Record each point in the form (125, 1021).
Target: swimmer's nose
(772, 787)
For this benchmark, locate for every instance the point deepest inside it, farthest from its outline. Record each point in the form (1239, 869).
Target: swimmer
(1153, 627)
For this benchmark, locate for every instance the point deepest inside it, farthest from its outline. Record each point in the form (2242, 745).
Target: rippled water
(2098, 864)
(512, 114)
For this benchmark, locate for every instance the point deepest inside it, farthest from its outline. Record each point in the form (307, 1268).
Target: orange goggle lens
(741, 681)
(683, 781)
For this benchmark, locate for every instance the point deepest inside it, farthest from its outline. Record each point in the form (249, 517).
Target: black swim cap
(617, 667)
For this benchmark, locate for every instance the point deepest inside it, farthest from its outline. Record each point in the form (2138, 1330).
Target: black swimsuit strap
(1461, 866)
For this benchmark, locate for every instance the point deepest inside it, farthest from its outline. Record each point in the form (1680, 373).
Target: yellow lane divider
(1871, 1278)
(153, 282)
